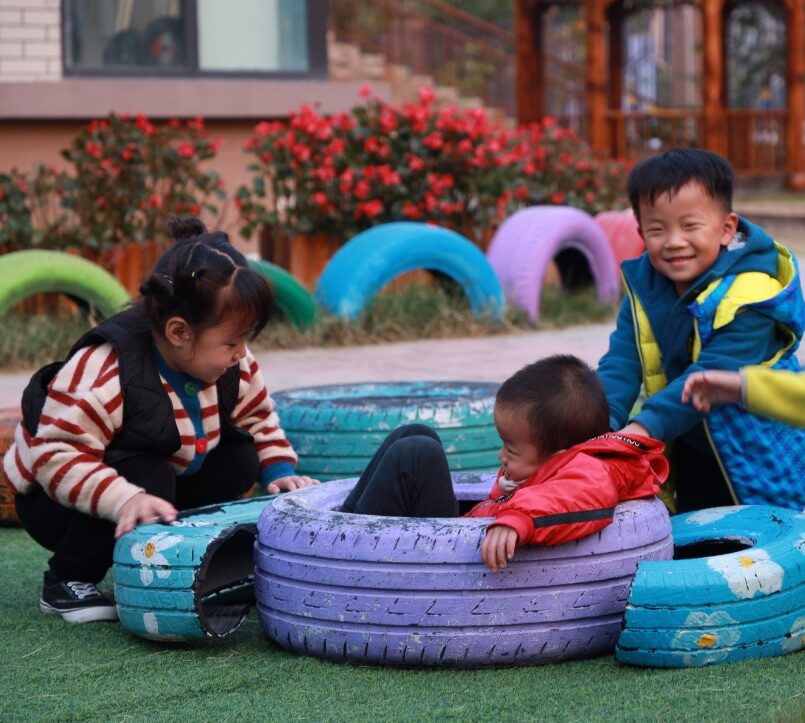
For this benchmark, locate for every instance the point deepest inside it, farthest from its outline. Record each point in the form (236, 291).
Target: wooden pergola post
(795, 86)
(529, 61)
(618, 136)
(595, 76)
(715, 115)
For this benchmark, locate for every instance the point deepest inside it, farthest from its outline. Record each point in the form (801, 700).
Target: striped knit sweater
(84, 411)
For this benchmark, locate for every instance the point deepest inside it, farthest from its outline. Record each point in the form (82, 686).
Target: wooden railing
(636, 134)
(756, 142)
(435, 38)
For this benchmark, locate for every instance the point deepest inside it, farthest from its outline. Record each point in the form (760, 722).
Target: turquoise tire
(192, 579)
(293, 299)
(746, 602)
(336, 429)
(373, 258)
(25, 273)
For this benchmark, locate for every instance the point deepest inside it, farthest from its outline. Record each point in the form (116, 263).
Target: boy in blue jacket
(712, 291)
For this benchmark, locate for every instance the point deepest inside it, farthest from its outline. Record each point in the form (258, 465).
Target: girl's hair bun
(183, 228)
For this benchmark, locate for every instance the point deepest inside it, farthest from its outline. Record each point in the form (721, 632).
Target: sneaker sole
(87, 615)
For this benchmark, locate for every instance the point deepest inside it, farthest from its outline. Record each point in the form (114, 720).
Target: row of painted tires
(25, 273)
(518, 258)
(414, 591)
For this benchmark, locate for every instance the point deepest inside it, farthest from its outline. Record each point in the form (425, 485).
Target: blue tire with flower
(373, 258)
(736, 591)
(192, 579)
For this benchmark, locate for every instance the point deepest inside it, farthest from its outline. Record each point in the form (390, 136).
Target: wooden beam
(795, 122)
(529, 61)
(616, 24)
(595, 76)
(715, 115)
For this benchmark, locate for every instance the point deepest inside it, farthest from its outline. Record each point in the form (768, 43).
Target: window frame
(316, 45)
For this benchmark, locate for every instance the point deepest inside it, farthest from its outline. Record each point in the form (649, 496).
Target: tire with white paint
(528, 241)
(738, 595)
(373, 258)
(191, 579)
(336, 429)
(620, 228)
(413, 591)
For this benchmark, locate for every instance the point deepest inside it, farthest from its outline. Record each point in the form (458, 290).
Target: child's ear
(729, 228)
(177, 331)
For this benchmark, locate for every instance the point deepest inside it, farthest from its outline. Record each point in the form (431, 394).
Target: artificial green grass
(50, 670)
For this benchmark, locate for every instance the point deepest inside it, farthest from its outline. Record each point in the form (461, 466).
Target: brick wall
(30, 40)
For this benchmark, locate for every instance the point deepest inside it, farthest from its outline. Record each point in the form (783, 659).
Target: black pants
(699, 481)
(408, 476)
(82, 546)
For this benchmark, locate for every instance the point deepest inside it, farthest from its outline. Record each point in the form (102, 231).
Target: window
(195, 37)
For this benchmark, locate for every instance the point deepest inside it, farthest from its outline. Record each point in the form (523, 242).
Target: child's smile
(685, 232)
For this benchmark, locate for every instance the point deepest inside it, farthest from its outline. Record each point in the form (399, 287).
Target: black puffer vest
(148, 422)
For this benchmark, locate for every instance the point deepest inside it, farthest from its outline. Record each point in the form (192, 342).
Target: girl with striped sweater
(157, 409)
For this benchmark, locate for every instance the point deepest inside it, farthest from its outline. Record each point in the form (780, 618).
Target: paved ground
(490, 358)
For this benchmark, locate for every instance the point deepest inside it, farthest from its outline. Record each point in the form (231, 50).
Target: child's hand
(498, 546)
(143, 508)
(290, 483)
(704, 389)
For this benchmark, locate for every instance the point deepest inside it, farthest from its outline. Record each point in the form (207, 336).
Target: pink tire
(620, 228)
(529, 240)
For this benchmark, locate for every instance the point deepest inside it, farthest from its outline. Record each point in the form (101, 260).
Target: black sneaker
(76, 602)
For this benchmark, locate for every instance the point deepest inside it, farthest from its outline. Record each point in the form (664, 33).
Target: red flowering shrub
(131, 174)
(128, 176)
(377, 163)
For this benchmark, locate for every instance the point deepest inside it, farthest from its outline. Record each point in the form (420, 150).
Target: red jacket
(575, 492)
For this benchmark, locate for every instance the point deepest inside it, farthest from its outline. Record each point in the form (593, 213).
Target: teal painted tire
(373, 258)
(25, 273)
(192, 579)
(747, 602)
(336, 429)
(293, 299)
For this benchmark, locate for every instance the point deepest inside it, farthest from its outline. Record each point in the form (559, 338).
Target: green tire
(25, 273)
(293, 299)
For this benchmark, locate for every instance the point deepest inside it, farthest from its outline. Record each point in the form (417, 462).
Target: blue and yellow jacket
(747, 309)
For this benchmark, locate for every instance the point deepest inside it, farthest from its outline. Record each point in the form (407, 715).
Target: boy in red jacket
(562, 471)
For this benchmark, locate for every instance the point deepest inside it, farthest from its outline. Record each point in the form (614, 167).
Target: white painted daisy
(713, 514)
(797, 639)
(749, 572)
(715, 641)
(149, 555)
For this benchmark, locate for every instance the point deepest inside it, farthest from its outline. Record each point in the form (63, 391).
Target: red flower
(415, 163)
(155, 201)
(263, 128)
(93, 149)
(426, 95)
(127, 154)
(434, 141)
(365, 90)
(361, 189)
(187, 150)
(373, 208)
(557, 197)
(411, 210)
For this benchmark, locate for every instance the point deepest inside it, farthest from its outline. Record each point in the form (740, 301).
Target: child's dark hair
(562, 399)
(204, 280)
(668, 172)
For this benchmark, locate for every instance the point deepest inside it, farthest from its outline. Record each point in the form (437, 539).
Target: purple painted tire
(527, 242)
(405, 591)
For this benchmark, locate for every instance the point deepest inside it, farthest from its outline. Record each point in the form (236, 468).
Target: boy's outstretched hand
(498, 546)
(143, 508)
(290, 483)
(704, 389)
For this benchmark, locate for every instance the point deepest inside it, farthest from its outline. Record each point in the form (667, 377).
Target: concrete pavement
(484, 358)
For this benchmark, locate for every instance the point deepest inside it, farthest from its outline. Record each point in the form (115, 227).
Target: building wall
(30, 40)
(41, 110)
